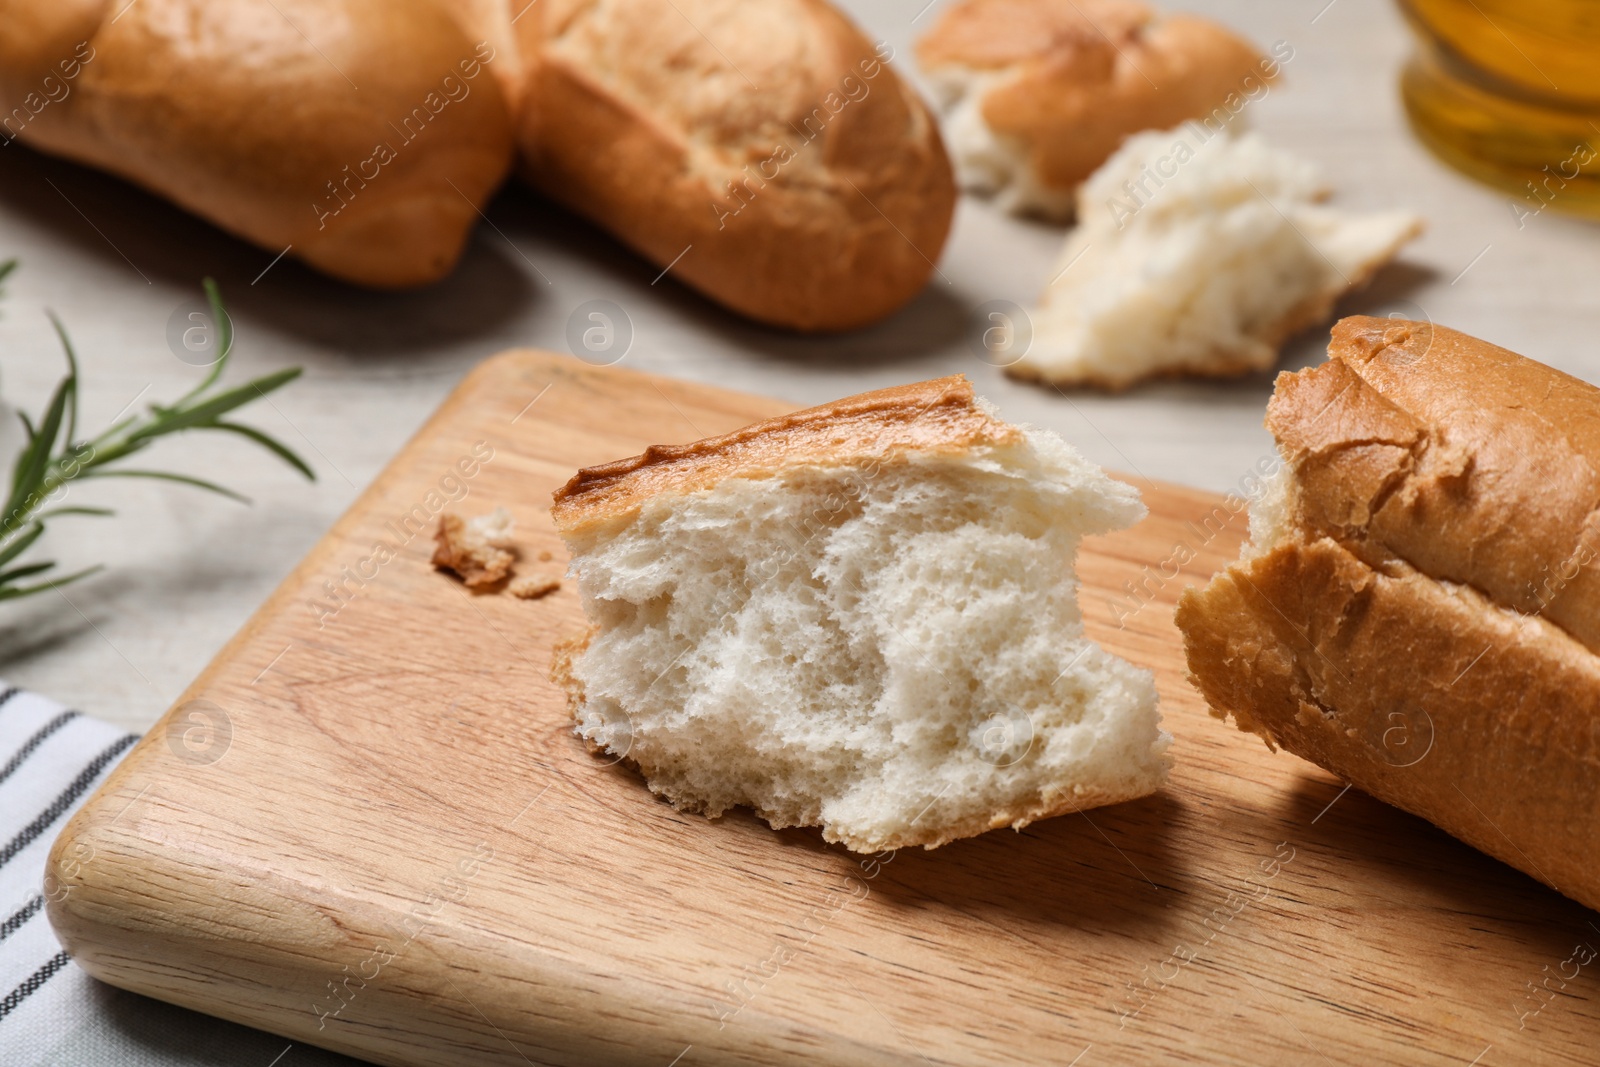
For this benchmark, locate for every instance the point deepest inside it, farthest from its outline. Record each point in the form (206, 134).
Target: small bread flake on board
(533, 586)
(480, 552)
(475, 549)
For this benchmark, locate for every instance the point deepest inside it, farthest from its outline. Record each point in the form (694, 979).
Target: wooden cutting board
(368, 826)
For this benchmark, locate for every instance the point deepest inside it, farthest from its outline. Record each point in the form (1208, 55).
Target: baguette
(860, 616)
(762, 150)
(361, 136)
(1416, 610)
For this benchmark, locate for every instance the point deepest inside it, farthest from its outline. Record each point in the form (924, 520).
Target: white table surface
(185, 569)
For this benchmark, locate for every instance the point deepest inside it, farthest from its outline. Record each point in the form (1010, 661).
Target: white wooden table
(184, 570)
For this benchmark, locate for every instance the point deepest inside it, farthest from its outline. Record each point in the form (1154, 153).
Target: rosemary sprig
(53, 457)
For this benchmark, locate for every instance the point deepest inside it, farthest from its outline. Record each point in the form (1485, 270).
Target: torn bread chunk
(1037, 93)
(1199, 254)
(862, 617)
(1417, 610)
(476, 549)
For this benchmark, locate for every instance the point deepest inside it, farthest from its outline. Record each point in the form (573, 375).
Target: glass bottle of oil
(1509, 92)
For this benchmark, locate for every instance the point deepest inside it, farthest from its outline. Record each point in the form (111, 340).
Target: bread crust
(256, 114)
(1430, 698)
(760, 148)
(1083, 76)
(1431, 478)
(937, 415)
(1467, 461)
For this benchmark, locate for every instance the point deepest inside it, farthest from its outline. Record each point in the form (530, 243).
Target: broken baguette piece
(1416, 611)
(862, 617)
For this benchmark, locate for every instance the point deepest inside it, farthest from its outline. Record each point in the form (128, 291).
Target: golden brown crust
(761, 148)
(1469, 462)
(43, 41)
(563, 658)
(941, 414)
(244, 111)
(1431, 698)
(492, 21)
(1086, 74)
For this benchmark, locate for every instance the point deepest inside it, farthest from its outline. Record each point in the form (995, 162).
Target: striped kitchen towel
(53, 760)
(52, 1013)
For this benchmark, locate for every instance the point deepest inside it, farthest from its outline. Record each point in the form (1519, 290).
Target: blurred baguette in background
(764, 149)
(362, 135)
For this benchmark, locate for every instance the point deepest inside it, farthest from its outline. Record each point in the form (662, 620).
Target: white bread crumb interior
(988, 162)
(1199, 252)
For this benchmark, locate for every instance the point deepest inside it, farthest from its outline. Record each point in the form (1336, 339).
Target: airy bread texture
(1037, 93)
(761, 149)
(1416, 611)
(862, 617)
(1199, 253)
(352, 133)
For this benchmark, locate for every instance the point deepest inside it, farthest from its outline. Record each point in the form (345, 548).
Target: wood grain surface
(368, 826)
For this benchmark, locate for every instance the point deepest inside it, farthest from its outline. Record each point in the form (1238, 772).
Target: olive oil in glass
(1508, 91)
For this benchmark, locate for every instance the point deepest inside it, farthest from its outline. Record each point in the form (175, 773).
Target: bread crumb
(495, 527)
(475, 549)
(544, 556)
(534, 586)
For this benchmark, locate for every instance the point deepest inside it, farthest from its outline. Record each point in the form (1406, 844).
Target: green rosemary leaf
(219, 315)
(12, 592)
(20, 544)
(22, 454)
(208, 410)
(168, 476)
(24, 571)
(53, 512)
(52, 456)
(30, 471)
(224, 327)
(268, 442)
(71, 381)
